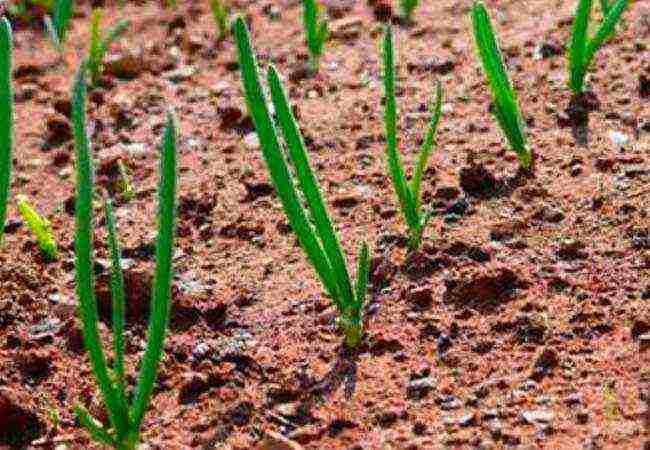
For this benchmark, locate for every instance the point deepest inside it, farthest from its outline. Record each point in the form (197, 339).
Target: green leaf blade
(578, 50)
(161, 296)
(6, 118)
(271, 150)
(85, 286)
(316, 32)
(63, 11)
(406, 200)
(117, 294)
(505, 98)
(309, 186)
(427, 147)
(97, 432)
(606, 29)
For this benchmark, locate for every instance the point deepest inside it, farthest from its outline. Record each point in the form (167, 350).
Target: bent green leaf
(505, 104)
(40, 226)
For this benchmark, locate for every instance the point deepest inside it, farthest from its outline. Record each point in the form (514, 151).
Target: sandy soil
(520, 324)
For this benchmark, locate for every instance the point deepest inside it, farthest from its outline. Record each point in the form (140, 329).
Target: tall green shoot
(505, 104)
(317, 32)
(408, 194)
(6, 118)
(125, 418)
(406, 9)
(583, 49)
(318, 240)
(58, 25)
(220, 14)
(99, 46)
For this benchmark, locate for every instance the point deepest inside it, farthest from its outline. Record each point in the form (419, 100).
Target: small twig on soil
(640, 193)
(43, 442)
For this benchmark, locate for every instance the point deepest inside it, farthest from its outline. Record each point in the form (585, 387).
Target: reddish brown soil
(519, 325)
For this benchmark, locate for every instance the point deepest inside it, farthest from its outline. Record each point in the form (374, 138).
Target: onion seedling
(125, 417)
(40, 226)
(505, 105)
(316, 30)
(57, 25)
(318, 240)
(220, 13)
(408, 194)
(583, 49)
(99, 46)
(407, 7)
(6, 118)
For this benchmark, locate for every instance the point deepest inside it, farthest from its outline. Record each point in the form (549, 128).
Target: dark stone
(477, 181)
(18, 426)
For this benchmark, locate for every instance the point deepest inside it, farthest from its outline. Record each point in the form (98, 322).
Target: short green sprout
(98, 46)
(583, 49)
(125, 183)
(220, 12)
(126, 413)
(406, 9)
(57, 25)
(317, 32)
(408, 194)
(505, 105)
(40, 226)
(6, 118)
(312, 224)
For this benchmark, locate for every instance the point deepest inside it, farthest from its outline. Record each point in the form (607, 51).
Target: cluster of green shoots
(317, 32)
(505, 104)
(318, 240)
(41, 227)
(583, 49)
(99, 46)
(6, 118)
(406, 9)
(407, 193)
(58, 24)
(220, 13)
(126, 413)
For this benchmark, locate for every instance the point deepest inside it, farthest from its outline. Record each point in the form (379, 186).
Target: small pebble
(619, 139)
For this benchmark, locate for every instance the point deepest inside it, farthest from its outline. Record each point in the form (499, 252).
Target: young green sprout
(583, 49)
(57, 25)
(125, 416)
(317, 32)
(40, 226)
(220, 13)
(99, 46)
(6, 118)
(319, 240)
(406, 9)
(505, 105)
(408, 194)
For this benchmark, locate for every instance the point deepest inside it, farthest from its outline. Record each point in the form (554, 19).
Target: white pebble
(619, 139)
